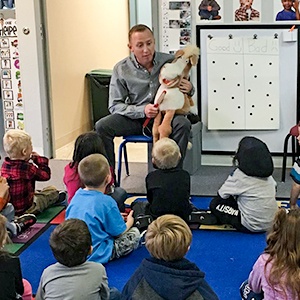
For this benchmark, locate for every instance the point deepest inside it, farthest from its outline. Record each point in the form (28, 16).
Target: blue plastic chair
(122, 149)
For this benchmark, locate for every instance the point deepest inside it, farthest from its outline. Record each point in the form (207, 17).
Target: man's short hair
(138, 28)
(15, 141)
(93, 170)
(166, 154)
(71, 242)
(168, 238)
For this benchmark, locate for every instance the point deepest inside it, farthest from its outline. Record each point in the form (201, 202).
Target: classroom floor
(137, 152)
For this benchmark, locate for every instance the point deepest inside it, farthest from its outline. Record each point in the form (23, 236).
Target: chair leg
(126, 160)
(285, 148)
(120, 163)
(293, 149)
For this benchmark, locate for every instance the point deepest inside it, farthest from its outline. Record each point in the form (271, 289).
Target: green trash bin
(98, 82)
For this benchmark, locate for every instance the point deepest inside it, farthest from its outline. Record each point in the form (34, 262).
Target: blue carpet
(225, 256)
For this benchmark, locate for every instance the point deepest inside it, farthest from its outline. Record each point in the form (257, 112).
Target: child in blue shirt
(111, 236)
(290, 11)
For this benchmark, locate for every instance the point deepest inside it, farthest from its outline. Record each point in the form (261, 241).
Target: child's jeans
(43, 199)
(9, 213)
(126, 243)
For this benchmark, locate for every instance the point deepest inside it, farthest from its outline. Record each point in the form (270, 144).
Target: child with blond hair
(22, 168)
(276, 273)
(111, 236)
(167, 274)
(168, 187)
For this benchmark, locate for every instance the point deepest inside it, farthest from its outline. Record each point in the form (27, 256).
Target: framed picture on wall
(285, 12)
(247, 11)
(208, 11)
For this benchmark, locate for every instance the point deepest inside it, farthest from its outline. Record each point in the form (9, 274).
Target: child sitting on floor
(11, 282)
(111, 236)
(276, 273)
(167, 274)
(14, 225)
(22, 168)
(86, 144)
(168, 187)
(247, 198)
(209, 10)
(72, 277)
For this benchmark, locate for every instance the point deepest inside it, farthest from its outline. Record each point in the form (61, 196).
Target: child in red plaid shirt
(22, 168)
(245, 12)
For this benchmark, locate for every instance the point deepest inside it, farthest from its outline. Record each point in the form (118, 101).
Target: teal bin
(98, 84)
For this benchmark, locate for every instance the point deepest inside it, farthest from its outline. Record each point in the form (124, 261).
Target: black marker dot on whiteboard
(255, 76)
(249, 90)
(270, 82)
(224, 78)
(238, 84)
(232, 97)
(267, 95)
(215, 91)
(213, 62)
(239, 107)
(270, 63)
(253, 106)
(236, 63)
(232, 122)
(272, 119)
(251, 65)
(270, 105)
(216, 108)
(250, 114)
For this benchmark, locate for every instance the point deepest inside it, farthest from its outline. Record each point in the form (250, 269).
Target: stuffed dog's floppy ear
(179, 53)
(194, 59)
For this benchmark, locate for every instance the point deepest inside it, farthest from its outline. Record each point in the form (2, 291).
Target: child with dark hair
(290, 11)
(11, 282)
(167, 274)
(247, 198)
(209, 10)
(72, 277)
(276, 273)
(86, 144)
(111, 236)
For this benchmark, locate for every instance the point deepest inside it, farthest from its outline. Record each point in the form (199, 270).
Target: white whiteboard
(243, 82)
(227, 140)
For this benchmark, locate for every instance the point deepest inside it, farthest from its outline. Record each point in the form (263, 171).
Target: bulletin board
(247, 82)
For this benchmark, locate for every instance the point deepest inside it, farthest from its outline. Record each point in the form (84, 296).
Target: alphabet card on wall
(243, 82)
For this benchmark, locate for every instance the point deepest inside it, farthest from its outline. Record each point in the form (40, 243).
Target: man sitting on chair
(133, 86)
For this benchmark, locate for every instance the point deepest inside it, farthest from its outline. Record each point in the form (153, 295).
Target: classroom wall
(82, 36)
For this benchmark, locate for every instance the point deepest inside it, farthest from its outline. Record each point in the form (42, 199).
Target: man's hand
(151, 111)
(185, 86)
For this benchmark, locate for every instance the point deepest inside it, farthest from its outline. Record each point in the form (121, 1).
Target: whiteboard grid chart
(243, 82)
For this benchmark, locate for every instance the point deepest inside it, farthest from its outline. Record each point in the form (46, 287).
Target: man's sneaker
(24, 222)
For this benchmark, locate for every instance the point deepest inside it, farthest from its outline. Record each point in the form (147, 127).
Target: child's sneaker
(62, 198)
(203, 217)
(24, 222)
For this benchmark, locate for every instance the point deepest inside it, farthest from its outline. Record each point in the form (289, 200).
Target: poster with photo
(247, 11)
(209, 11)
(13, 109)
(285, 12)
(176, 24)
